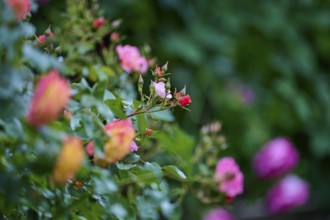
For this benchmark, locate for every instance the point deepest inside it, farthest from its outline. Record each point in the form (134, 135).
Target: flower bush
(86, 125)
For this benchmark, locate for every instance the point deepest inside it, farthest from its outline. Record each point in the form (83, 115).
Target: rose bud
(99, 22)
(185, 100)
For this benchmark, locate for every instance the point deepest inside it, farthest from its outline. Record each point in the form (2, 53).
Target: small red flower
(99, 22)
(185, 100)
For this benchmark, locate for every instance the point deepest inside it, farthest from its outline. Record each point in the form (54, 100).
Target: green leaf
(115, 106)
(174, 172)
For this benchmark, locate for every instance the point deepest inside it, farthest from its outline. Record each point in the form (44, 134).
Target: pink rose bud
(68, 161)
(51, 35)
(121, 135)
(287, 194)
(99, 22)
(218, 214)
(160, 90)
(159, 71)
(42, 39)
(131, 60)
(20, 7)
(229, 177)
(115, 37)
(185, 100)
(90, 148)
(277, 157)
(49, 100)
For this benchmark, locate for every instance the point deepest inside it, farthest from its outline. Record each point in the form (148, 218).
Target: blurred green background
(259, 67)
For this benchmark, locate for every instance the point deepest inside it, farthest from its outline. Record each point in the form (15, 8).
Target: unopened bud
(141, 81)
(168, 84)
(58, 49)
(164, 67)
(149, 131)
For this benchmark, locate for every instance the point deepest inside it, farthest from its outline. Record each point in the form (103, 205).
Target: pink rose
(287, 194)
(51, 96)
(218, 214)
(160, 90)
(229, 176)
(20, 7)
(131, 60)
(277, 157)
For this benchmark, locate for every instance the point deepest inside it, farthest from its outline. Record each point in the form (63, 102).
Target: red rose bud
(121, 135)
(20, 7)
(185, 100)
(68, 161)
(99, 22)
(50, 98)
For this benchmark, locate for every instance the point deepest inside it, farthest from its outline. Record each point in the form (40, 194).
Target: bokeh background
(261, 68)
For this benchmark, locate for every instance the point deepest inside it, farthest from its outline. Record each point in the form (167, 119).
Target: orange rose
(69, 160)
(121, 136)
(51, 96)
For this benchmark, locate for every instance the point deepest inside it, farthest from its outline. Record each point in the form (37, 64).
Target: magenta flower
(229, 176)
(287, 194)
(134, 147)
(218, 214)
(131, 60)
(277, 157)
(160, 90)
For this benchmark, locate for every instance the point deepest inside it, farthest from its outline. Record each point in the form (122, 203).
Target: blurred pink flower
(229, 176)
(131, 60)
(133, 147)
(90, 148)
(160, 90)
(115, 37)
(218, 214)
(287, 194)
(51, 96)
(277, 157)
(98, 22)
(20, 7)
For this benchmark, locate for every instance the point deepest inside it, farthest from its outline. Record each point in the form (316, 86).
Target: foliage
(276, 49)
(151, 183)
